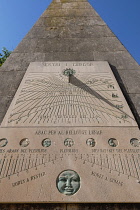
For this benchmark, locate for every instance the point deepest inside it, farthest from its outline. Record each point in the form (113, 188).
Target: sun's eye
(62, 179)
(75, 180)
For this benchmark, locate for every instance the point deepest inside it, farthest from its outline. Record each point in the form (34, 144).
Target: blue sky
(122, 16)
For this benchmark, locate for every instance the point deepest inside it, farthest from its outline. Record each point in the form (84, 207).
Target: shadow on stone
(125, 93)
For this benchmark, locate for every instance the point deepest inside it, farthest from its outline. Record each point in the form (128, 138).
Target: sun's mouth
(69, 189)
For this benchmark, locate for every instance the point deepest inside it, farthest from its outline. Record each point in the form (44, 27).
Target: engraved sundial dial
(69, 136)
(70, 97)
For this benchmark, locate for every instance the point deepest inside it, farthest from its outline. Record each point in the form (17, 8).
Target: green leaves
(4, 55)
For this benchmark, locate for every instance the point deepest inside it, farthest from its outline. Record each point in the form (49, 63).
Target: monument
(71, 133)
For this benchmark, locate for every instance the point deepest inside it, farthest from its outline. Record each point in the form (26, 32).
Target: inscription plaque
(69, 136)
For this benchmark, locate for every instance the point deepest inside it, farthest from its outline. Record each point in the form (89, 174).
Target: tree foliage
(4, 55)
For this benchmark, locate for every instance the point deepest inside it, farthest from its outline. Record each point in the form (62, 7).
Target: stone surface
(92, 88)
(8, 86)
(122, 60)
(72, 114)
(136, 99)
(69, 21)
(70, 30)
(131, 80)
(5, 102)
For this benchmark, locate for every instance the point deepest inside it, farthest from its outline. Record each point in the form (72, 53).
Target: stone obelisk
(68, 36)
(70, 30)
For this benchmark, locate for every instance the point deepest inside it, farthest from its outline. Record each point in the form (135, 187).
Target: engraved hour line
(31, 90)
(128, 164)
(8, 166)
(38, 86)
(104, 162)
(12, 168)
(5, 168)
(104, 108)
(37, 92)
(36, 96)
(47, 104)
(131, 167)
(56, 80)
(31, 93)
(111, 163)
(90, 110)
(35, 85)
(52, 103)
(49, 110)
(121, 163)
(34, 111)
(35, 103)
(118, 165)
(124, 164)
(40, 110)
(79, 108)
(132, 164)
(135, 166)
(2, 167)
(31, 109)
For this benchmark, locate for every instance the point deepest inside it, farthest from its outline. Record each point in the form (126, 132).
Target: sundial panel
(46, 97)
(69, 136)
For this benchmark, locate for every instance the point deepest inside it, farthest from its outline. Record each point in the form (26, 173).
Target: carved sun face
(68, 182)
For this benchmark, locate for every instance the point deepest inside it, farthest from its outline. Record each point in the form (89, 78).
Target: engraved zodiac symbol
(46, 143)
(135, 142)
(3, 142)
(68, 182)
(24, 142)
(113, 142)
(90, 142)
(68, 142)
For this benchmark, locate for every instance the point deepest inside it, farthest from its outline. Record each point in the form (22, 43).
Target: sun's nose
(68, 183)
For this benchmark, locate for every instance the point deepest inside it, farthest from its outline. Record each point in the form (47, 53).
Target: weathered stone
(26, 45)
(2, 115)
(70, 12)
(70, 4)
(69, 32)
(77, 34)
(21, 61)
(120, 59)
(131, 80)
(73, 32)
(69, 21)
(136, 100)
(103, 44)
(5, 102)
(8, 84)
(69, 56)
